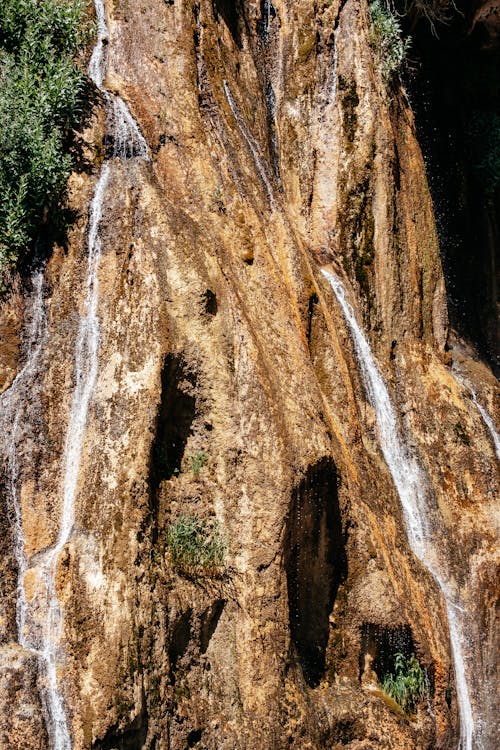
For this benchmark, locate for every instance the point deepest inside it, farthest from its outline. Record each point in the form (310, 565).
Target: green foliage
(41, 101)
(196, 546)
(391, 49)
(408, 685)
(196, 460)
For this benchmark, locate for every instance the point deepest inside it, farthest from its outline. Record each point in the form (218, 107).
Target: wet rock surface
(219, 335)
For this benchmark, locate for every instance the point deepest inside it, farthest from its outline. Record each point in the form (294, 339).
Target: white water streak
(86, 364)
(334, 86)
(488, 422)
(13, 404)
(128, 140)
(251, 143)
(410, 482)
(44, 638)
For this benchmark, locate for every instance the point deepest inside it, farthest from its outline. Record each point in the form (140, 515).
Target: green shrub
(41, 101)
(391, 49)
(196, 460)
(408, 685)
(196, 546)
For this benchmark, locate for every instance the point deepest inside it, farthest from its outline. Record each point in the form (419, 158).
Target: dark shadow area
(210, 302)
(316, 564)
(311, 306)
(194, 737)
(379, 646)
(176, 413)
(455, 93)
(209, 622)
(132, 737)
(175, 416)
(179, 641)
(230, 12)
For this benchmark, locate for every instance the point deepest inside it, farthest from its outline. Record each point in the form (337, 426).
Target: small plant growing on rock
(408, 685)
(391, 49)
(196, 546)
(196, 461)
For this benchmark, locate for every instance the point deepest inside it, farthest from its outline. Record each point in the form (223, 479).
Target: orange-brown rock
(219, 334)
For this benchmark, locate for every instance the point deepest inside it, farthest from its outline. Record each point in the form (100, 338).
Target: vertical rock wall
(276, 148)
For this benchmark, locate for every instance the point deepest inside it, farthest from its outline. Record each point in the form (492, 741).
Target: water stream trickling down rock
(245, 332)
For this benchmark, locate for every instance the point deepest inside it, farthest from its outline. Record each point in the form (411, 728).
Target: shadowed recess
(379, 646)
(209, 622)
(175, 416)
(179, 641)
(132, 737)
(229, 10)
(316, 564)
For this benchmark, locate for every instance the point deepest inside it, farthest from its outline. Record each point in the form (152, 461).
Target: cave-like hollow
(379, 646)
(454, 86)
(174, 420)
(316, 564)
(175, 417)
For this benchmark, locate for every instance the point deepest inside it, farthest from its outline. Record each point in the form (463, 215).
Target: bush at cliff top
(195, 545)
(41, 101)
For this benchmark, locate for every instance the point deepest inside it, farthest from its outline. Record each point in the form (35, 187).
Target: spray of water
(411, 484)
(128, 140)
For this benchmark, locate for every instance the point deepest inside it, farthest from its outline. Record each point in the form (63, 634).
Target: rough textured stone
(219, 334)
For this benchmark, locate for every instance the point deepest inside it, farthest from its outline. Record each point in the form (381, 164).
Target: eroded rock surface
(276, 149)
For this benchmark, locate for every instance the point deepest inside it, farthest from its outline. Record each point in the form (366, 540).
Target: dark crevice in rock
(194, 737)
(313, 301)
(209, 622)
(175, 417)
(230, 12)
(455, 93)
(179, 641)
(316, 564)
(132, 737)
(210, 302)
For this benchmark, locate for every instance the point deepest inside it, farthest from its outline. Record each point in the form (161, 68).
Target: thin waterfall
(334, 85)
(13, 406)
(251, 143)
(484, 414)
(128, 140)
(40, 620)
(487, 421)
(411, 483)
(86, 364)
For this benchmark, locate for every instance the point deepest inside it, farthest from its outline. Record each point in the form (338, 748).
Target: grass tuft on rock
(196, 546)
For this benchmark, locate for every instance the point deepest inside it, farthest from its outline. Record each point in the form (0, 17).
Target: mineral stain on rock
(218, 336)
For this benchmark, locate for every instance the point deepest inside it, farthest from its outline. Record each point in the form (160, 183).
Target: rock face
(276, 149)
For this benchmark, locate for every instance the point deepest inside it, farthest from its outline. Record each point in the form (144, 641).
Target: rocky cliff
(275, 149)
